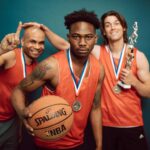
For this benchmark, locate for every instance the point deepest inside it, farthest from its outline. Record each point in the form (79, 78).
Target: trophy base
(125, 86)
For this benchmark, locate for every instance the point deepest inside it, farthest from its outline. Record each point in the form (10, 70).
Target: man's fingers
(27, 113)
(19, 28)
(28, 127)
(17, 34)
(29, 24)
(11, 39)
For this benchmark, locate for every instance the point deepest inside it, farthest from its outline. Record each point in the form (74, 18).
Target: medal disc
(76, 105)
(117, 89)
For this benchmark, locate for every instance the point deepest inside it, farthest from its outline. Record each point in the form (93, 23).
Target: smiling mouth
(36, 52)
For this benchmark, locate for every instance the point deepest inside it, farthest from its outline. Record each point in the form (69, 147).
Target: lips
(85, 50)
(36, 53)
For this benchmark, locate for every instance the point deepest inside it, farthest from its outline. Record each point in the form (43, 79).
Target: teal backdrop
(52, 12)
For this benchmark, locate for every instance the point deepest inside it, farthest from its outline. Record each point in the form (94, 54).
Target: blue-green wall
(51, 13)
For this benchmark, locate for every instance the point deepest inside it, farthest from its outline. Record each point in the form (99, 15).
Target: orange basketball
(52, 117)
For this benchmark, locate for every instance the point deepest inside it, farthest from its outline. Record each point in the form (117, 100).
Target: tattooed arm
(46, 71)
(95, 116)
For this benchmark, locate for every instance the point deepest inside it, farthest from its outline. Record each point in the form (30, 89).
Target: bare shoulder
(142, 61)
(140, 54)
(96, 51)
(142, 66)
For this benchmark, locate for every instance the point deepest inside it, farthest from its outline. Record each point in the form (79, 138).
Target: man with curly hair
(74, 75)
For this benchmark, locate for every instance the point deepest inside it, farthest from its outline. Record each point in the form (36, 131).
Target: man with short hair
(15, 64)
(121, 108)
(61, 75)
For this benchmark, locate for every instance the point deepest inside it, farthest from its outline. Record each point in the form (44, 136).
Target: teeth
(114, 33)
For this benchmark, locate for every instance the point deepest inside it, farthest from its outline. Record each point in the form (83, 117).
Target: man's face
(82, 38)
(113, 28)
(33, 42)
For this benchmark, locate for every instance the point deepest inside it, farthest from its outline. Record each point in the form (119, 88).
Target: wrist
(98, 147)
(2, 50)
(134, 82)
(44, 28)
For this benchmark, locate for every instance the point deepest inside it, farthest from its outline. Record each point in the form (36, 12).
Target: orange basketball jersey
(9, 78)
(65, 89)
(123, 109)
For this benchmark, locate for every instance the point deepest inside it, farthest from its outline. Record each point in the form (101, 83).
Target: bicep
(142, 66)
(38, 77)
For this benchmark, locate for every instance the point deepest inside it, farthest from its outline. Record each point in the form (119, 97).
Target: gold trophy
(130, 57)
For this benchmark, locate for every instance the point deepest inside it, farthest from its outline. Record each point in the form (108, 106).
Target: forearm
(18, 101)
(143, 89)
(96, 123)
(58, 42)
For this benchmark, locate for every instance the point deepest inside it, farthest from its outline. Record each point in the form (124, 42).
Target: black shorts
(124, 138)
(80, 147)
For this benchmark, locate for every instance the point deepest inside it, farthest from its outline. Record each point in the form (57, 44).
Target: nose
(82, 42)
(37, 46)
(112, 26)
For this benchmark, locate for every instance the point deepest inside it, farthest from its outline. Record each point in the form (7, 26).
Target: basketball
(52, 117)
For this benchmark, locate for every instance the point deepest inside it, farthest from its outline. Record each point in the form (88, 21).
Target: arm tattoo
(26, 82)
(40, 71)
(37, 74)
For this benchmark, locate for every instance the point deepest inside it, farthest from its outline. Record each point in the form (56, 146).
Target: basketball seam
(53, 124)
(47, 107)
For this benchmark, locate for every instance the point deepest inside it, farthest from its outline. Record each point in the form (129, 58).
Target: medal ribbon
(23, 63)
(76, 85)
(115, 68)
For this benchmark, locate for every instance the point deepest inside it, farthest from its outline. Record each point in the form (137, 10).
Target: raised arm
(96, 116)
(57, 41)
(10, 41)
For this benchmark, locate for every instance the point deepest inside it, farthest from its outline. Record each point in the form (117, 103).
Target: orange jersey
(65, 89)
(123, 109)
(9, 78)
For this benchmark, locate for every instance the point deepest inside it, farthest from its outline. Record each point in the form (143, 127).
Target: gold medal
(76, 105)
(117, 89)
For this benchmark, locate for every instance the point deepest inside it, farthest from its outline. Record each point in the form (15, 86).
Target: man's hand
(11, 41)
(127, 76)
(38, 25)
(24, 116)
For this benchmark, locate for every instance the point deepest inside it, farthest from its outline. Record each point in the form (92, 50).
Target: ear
(68, 37)
(22, 42)
(96, 38)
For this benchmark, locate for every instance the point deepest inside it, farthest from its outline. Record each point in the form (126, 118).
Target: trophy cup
(132, 41)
